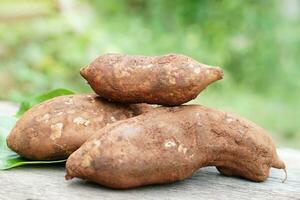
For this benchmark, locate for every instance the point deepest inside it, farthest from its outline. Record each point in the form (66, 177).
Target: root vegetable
(166, 80)
(56, 128)
(170, 144)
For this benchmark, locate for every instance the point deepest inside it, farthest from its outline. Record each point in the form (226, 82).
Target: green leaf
(26, 105)
(8, 158)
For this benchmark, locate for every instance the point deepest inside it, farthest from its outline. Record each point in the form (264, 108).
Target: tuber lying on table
(56, 128)
(166, 80)
(170, 144)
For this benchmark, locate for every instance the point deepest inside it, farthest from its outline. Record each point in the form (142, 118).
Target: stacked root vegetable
(116, 138)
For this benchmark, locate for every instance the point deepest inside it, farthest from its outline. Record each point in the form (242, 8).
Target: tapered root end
(84, 71)
(279, 164)
(285, 177)
(213, 74)
(219, 72)
(69, 174)
(68, 177)
(12, 142)
(69, 171)
(216, 73)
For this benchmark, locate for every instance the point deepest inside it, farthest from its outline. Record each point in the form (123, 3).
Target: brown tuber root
(170, 144)
(278, 164)
(166, 80)
(56, 128)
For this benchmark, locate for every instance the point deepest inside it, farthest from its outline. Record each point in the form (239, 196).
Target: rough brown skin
(56, 128)
(165, 80)
(170, 144)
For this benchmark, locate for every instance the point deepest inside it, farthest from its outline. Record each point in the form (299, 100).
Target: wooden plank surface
(47, 183)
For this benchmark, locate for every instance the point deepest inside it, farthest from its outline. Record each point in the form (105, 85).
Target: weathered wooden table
(46, 182)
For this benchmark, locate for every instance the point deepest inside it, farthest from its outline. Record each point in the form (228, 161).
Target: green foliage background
(43, 44)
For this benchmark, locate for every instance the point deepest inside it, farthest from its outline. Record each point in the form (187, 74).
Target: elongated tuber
(170, 144)
(56, 128)
(166, 80)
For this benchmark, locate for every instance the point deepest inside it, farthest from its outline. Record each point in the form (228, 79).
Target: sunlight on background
(43, 44)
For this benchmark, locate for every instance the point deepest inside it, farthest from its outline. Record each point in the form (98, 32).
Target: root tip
(285, 178)
(68, 177)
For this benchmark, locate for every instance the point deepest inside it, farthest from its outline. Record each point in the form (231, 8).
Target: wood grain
(46, 182)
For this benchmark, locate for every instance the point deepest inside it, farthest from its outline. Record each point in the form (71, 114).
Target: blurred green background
(43, 44)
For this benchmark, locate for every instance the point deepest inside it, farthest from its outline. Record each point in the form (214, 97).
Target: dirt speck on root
(56, 131)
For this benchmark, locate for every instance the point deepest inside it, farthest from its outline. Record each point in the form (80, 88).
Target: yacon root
(56, 128)
(170, 144)
(166, 80)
